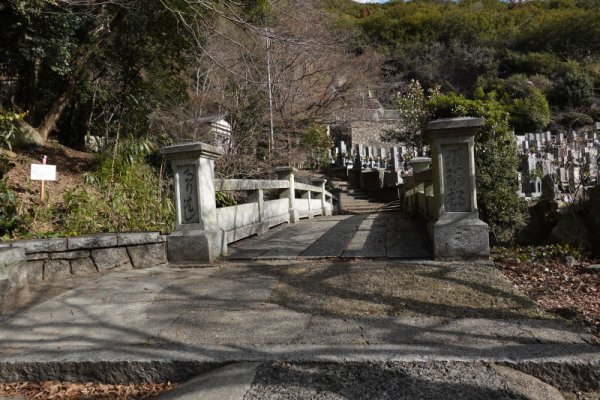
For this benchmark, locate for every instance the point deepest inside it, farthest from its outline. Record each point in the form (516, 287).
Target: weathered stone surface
(37, 256)
(461, 239)
(13, 276)
(368, 131)
(57, 244)
(446, 125)
(570, 261)
(528, 386)
(195, 246)
(41, 245)
(147, 255)
(56, 269)
(106, 259)
(35, 271)
(83, 266)
(127, 239)
(32, 246)
(227, 383)
(92, 241)
(14, 293)
(456, 178)
(593, 269)
(70, 255)
(9, 257)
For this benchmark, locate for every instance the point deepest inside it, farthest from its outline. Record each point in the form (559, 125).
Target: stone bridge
(441, 218)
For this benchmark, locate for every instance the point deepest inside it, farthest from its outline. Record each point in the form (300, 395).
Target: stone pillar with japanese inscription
(456, 230)
(197, 237)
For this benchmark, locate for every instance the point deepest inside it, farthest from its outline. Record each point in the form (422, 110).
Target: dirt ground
(70, 168)
(569, 291)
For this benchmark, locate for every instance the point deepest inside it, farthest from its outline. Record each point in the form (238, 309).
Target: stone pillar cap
(416, 160)
(285, 169)
(190, 150)
(455, 123)
(453, 126)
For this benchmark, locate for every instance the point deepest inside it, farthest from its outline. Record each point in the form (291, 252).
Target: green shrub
(8, 128)
(124, 193)
(225, 199)
(9, 217)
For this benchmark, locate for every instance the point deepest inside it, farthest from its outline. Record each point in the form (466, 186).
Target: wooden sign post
(43, 172)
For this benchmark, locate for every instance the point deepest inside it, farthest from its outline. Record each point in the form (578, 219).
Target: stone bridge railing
(203, 231)
(442, 190)
(418, 188)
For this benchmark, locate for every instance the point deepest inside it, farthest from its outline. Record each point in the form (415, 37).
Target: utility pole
(270, 89)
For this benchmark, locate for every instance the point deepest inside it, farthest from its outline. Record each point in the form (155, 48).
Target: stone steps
(355, 201)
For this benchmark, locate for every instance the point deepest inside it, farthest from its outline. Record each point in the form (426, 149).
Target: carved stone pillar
(197, 237)
(457, 231)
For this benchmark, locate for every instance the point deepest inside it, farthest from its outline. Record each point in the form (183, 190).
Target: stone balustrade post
(457, 231)
(420, 165)
(197, 237)
(326, 210)
(258, 196)
(308, 196)
(287, 173)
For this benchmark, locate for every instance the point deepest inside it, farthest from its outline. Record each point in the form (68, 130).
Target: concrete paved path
(391, 235)
(167, 323)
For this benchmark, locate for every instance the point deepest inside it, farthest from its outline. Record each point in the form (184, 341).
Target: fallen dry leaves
(80, 391)
(570, 292)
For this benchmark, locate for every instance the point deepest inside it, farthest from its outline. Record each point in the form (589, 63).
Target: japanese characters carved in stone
(188, 194)
(456, 178)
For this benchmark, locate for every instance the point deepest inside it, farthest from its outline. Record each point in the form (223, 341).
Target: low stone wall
(52, 259)
(13, 279)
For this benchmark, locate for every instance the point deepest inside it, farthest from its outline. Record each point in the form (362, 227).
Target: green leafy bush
(123, 194)
(9, 217)
(8, 128)
(225, 199)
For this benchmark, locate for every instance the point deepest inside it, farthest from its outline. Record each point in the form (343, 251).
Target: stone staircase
(355, 201)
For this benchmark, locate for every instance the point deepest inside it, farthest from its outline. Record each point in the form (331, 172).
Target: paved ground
(391, 235)
(167, 323)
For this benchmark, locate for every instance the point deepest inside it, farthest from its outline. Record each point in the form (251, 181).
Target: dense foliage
(92, 68)
(10, 221)
(125, 204)
(533, 57)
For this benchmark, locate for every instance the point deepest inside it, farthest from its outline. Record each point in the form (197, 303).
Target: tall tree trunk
(82, 56)
(58, 107)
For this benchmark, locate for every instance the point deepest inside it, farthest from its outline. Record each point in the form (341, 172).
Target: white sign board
(43, 172)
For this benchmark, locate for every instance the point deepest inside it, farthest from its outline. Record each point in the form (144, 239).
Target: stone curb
(580, 371)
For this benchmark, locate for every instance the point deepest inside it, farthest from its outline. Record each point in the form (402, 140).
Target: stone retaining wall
(53, 259)
(13, 279)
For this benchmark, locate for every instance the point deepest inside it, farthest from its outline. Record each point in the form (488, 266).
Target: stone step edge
(564, 374)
